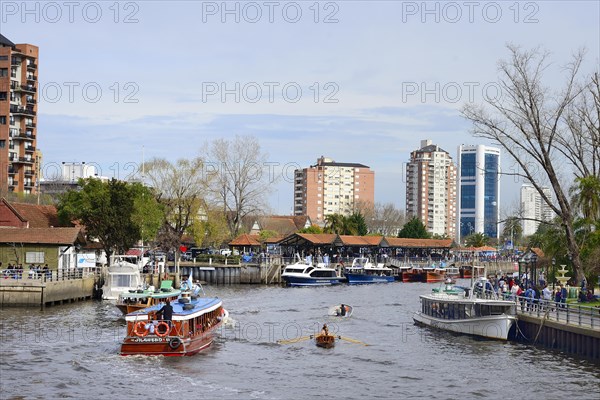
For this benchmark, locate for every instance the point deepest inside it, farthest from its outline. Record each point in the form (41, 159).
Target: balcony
(31, 66)
(15, 62)
(30, 100)
(21, 110)
(22, 136)
(30, 149)
(24, 88)
(22, 160)
(28, 184)
(29, 172)
(12, 171)
(13, 183)
(31, 78)
(30, 125)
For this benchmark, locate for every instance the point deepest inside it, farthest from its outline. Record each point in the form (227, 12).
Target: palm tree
(477, 239)
(585, 195)
(334, 223)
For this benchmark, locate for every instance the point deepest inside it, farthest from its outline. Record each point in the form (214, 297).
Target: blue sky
(376, 77)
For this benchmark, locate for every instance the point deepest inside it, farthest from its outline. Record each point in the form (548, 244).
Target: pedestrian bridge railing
(572, 314)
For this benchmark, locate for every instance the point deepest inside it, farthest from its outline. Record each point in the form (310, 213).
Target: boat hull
(325, 341)
(492, 327)
(302, 281)
(432, 277)
(359, 279)
(157, 346)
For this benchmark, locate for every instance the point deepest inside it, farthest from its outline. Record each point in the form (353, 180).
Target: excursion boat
(363, 271)
(477, 311)
(191, 329)
(303, 274)
(134, 300)
(122, 275)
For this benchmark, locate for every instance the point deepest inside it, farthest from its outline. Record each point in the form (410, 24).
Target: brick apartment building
(19, 159)
(329, 187)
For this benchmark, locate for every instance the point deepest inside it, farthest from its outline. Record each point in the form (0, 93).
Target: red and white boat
(190, 330)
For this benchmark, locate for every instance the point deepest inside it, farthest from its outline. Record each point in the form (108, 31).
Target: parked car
(225, 252)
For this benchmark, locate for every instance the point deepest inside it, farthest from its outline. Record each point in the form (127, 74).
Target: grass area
(574, 302)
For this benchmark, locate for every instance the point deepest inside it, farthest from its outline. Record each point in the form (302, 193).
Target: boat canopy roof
(201, 305)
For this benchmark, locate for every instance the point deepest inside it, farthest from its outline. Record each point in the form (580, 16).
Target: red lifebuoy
(140, 329)
(157, 329)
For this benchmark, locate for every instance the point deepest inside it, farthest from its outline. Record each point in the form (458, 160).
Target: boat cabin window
(121, 280)
(445, 310)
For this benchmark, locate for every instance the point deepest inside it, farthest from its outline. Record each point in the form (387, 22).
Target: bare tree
(542, 130)
(240, 178)
(384, 219)
(181, 188)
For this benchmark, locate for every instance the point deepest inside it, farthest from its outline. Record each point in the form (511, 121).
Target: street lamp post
(553, 272)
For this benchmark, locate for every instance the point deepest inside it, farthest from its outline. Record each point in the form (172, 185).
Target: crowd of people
(532, 294)
(16, 271)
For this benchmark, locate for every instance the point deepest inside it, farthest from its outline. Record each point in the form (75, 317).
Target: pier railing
(46, 276)
(581, 315)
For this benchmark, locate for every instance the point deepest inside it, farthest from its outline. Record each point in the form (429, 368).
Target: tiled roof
(482, 248)
(417, 243)
(245, 240)
(347, 240)
(37, 216)
(283, 226)
(41, 235)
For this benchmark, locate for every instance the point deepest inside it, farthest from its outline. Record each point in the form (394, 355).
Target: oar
(352, 340)
(295, 340)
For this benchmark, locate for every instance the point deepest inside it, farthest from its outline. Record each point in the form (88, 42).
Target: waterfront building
(431, 189)
(534, 209)
(478, 191)
(330, 187)
(19, 159)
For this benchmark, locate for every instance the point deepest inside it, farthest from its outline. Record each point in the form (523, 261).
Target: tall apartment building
(478, 191)
(431, 189)
(330, 187)
(18, 117)
(533, 207)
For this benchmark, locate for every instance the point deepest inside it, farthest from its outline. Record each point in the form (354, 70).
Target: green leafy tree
(106, 210)
(315, 229)
(414, 229)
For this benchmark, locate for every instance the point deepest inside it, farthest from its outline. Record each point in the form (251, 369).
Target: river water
(71, 351)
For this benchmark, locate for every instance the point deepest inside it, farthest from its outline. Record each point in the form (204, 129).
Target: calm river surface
(71, 351)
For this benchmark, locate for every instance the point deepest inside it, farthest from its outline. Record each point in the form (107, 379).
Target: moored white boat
(363, 271)
(122, 275)
(476, 311)
(303, 274)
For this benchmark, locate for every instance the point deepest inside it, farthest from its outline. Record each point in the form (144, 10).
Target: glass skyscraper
(478, 191)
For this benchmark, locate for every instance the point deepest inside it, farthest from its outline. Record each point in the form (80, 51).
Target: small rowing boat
(343, 310)
(326, 341)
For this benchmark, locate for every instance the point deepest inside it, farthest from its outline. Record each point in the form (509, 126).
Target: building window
(3, 72)
(34, 257)
(2, 119)
(3, 96)
(3, 58)
(2, 144)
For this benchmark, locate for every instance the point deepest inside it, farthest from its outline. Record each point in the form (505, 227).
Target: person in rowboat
(342, 311)
(325, 331)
